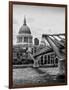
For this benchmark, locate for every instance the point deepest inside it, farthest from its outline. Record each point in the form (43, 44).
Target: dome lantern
(24, 21)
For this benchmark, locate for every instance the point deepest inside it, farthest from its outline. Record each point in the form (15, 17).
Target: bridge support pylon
(36, 63)
(61, 67)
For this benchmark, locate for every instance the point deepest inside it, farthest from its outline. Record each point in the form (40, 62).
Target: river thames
(34, 76)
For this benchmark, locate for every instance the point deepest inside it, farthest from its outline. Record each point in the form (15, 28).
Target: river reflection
(33, 76)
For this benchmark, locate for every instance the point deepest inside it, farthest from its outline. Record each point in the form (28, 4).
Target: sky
(40, 20)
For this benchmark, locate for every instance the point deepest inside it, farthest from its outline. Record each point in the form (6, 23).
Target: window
(20, 39)
(45, 57)
(52, 58)
(48, 59)
(30, 39)
(25, 39)
(42, 60)
(56, 60)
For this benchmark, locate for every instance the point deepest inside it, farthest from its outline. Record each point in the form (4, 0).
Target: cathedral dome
(24, 28)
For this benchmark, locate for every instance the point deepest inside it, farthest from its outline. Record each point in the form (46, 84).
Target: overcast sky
(41, 20)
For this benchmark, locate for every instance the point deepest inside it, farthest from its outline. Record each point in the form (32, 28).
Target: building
(24, 43)
(24, 36)
(36, 41)
(46, 57)
(35, 45)
(41, 54)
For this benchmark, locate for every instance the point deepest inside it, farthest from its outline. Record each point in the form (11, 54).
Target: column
(36, 63)
(53, 59)
(43, 59)
(61, 66)
(47, 59)
(28, 40)
(22, 39)
(50, 58)
(39, 61)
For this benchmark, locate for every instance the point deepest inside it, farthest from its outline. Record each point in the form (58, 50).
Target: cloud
(15, 21)
(41, 20)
